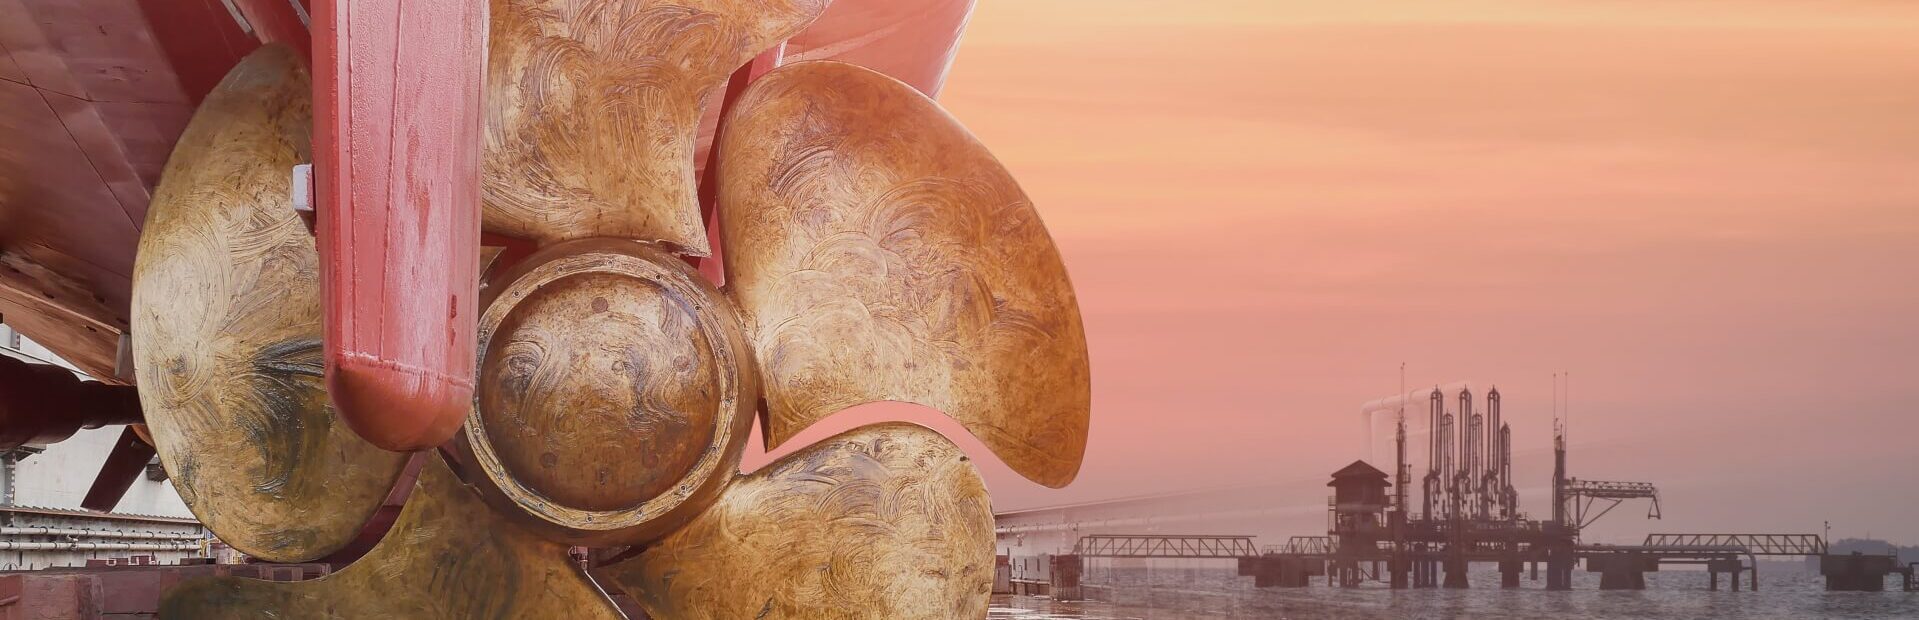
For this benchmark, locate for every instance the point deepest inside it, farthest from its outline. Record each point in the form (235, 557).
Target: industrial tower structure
(1469, 508)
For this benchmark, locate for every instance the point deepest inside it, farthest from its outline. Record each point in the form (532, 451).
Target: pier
(1467, 513)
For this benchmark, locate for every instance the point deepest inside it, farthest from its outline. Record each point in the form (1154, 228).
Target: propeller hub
(598, 364)
(614, 393)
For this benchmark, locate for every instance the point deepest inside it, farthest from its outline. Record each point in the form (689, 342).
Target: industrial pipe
(1392, 403)
(1449, 486)
(44, 403)
(1464, 416)
(7, 545)
(1370, 411)
(1437, 409)
(74, 531)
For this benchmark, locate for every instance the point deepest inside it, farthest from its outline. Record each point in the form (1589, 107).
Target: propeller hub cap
(612, 392)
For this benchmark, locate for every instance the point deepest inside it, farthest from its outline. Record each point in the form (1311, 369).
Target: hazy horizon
(1707, 213)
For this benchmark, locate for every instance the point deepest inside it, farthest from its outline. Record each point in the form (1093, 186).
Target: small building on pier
(1359, 499)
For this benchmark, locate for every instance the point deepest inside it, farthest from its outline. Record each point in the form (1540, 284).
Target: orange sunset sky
(1707, 212)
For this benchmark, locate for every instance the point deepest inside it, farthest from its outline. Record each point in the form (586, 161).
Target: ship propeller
(593, 111)
(880, 252)
(873, 250)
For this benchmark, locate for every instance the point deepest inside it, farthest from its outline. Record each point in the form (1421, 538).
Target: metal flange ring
(614, 393)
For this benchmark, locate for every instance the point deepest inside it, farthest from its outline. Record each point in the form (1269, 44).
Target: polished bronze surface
(616, 392)
(879, 252)
(597, 364)
(593, 110)
(446, 557)
(885, 521)
(915, 41)
(226, 335)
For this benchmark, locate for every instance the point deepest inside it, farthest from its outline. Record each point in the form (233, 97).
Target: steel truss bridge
(1305, 545)
(1751, 544)
(1197, 547)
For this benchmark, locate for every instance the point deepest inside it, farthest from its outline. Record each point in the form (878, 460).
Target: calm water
(1170, 594)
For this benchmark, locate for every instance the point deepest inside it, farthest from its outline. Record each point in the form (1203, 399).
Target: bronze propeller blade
(226, 330)
(446, 557)
(593, 111)
(885, 521)
(879, 252)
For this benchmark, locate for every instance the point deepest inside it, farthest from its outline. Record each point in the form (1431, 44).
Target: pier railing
(1121, 546)
(1756, 544)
